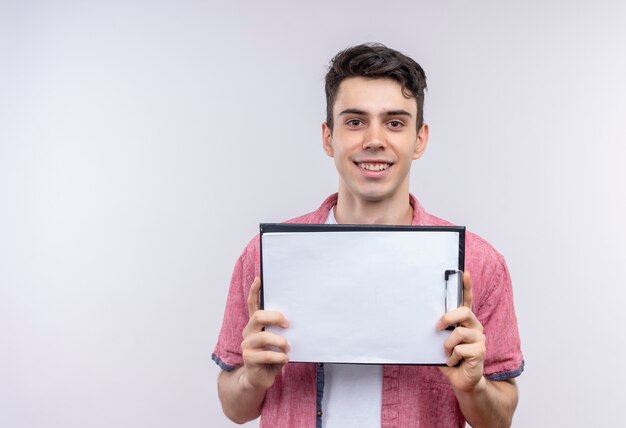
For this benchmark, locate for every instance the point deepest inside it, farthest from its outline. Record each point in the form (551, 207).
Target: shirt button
(319, 413)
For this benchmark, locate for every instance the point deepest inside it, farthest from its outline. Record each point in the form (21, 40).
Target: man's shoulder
(477, 248)
(317, 216)
(486, 265)
(308, 218)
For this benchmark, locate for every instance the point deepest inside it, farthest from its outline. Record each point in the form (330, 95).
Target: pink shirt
(413, 396)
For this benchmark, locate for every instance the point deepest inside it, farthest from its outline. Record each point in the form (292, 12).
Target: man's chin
(374, 196)
(370, 193)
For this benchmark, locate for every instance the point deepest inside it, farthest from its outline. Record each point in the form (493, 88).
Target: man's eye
(396, 124)
(354, 122)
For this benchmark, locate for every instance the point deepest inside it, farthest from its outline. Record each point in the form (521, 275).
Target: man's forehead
(373, 96)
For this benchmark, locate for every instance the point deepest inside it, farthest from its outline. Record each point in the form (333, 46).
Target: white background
(141, 143)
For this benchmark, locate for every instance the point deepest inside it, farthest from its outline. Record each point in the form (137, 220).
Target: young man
(374, 130)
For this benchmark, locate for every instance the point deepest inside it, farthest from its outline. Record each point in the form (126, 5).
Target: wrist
(244, 383)
(481, 385)
(478, 388)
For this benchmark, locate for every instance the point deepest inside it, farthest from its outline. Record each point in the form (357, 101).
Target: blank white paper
(361, 296)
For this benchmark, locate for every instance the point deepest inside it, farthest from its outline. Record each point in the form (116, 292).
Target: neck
(395, 211)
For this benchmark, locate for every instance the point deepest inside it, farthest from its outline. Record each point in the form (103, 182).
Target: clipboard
(362, 294)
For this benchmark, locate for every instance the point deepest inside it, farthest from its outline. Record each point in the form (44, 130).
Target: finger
(265, 339)
(463, 316)
(466, 351)
(462, 335)
(467, 290)
(253, 296)
(261, 319)
(260, 358)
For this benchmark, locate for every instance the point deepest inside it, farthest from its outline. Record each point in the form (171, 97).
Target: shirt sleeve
(503, 359)
(227, 352)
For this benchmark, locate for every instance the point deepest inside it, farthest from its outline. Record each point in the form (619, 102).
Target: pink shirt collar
(320, 215)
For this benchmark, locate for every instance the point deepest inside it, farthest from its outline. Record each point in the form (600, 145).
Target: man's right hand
(264, 353)
(242, 391)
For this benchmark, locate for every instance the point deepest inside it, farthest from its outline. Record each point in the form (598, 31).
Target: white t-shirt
(352, 392)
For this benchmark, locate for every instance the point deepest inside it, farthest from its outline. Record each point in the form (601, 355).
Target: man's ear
(422, 142)
(327, 140)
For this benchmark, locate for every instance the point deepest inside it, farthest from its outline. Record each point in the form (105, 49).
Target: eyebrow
(398, 113)
(353, 111)
(387, 113)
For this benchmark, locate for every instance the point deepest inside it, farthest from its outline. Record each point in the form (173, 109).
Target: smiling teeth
(374, 166)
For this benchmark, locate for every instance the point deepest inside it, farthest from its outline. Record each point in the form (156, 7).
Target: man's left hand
(465, 345)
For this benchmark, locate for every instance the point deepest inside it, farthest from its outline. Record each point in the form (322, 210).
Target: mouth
(373, 166)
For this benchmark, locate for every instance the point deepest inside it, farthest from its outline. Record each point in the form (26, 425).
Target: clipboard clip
(455, 303)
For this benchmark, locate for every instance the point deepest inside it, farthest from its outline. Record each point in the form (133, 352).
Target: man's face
(374, 139)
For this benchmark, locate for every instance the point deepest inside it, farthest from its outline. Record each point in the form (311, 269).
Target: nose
(374, 138)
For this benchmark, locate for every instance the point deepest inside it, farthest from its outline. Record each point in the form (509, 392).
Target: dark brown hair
(376, 61)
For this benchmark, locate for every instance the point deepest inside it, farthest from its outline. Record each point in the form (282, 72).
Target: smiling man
(374, 130)
(373, 137)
